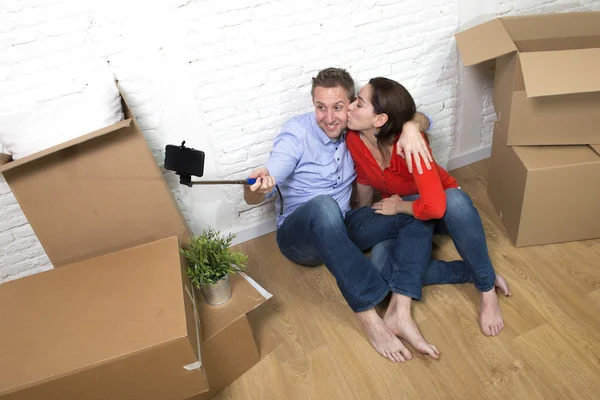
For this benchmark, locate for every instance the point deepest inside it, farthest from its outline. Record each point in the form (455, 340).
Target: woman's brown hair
(391, 98)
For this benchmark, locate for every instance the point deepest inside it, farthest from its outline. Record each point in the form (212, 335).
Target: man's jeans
(317, 233)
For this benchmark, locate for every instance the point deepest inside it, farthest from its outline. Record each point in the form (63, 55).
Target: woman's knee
(382, 253)
(457, 199)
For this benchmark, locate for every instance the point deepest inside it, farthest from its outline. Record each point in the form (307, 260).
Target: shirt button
(338, 159)
(338, 177)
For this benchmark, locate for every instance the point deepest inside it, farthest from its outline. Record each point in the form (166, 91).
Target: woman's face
(361, 114)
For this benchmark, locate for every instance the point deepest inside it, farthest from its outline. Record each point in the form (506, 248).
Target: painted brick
(245, 65)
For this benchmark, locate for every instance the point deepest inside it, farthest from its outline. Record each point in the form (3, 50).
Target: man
(315, 172)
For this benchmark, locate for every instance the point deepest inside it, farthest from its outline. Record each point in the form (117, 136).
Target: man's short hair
(334, 77)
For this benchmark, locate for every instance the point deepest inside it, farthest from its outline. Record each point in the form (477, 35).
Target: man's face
(331, 110)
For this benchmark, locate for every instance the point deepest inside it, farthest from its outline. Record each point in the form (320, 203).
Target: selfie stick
(249, 181)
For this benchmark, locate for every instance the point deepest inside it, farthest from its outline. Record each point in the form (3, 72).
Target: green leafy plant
(210, 259)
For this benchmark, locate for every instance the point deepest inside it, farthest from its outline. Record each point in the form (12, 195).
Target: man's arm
(422, 121)
(255, 194)
(281, 164)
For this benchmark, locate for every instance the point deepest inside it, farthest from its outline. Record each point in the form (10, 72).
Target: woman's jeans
(317, 232)
(463, 223)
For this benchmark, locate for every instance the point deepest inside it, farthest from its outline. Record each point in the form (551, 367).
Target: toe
(432, 352)
(487, 330)
(435, 349)
(388, 355)
(406, 353)
(398, 356)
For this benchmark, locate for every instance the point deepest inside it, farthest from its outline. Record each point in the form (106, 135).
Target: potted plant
(210, 262)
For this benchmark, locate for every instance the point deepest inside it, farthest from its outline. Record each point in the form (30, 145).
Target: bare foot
(502, 285)
(381, 337)
(401, 323)
(491, 319)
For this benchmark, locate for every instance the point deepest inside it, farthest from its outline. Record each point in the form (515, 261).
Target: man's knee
(325, 211)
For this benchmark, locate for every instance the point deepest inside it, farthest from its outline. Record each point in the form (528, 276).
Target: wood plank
(550, 348)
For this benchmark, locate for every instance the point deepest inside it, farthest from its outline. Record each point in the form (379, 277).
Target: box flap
(596, 148)
(105, 195)
(108, 129)
(244, 298)
(266, 337)
(548, 73)
(558, 31)
(83, 314)
(484, 42)
(542, 157)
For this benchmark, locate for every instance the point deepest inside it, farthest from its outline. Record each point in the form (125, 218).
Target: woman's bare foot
(401, 323)
(502, 285)
(381, 337)
(491, 319)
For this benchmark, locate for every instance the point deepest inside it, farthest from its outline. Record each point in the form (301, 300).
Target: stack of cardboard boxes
(544, 177)
(117, 318)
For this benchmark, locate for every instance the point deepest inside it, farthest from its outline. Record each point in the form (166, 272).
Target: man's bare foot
(381, 337)
(401, 323)
(491, 319)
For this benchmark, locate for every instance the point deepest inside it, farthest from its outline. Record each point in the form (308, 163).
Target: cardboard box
(95, 194)
(102, 211)
(117, 326)
(547, 85)
(545, 194)
(235, 336)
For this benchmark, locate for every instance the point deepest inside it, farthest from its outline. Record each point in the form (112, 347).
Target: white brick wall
(225, 75)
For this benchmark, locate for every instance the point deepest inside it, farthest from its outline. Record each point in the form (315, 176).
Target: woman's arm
(393, 205)
(412, 143)
(364, 194)
(431, 203)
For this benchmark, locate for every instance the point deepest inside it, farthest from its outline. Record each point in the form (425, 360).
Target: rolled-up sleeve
(284, 157)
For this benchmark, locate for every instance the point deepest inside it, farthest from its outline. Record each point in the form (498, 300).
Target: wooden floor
(550, 348)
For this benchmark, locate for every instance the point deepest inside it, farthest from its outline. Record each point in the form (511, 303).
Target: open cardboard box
(545, 194)
(116, 318)
(547, 84)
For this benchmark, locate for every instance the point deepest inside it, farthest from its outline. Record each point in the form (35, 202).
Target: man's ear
(380, 120)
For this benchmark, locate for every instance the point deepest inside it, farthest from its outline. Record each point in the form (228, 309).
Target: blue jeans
(463, 223)
(438, 272)
(317, 233)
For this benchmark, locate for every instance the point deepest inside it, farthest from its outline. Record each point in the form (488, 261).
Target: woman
(378, 113)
